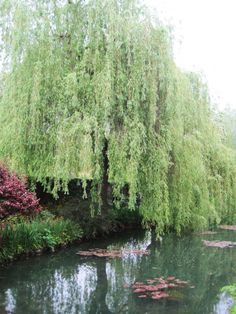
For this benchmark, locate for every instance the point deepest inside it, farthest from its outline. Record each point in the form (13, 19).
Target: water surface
(64, 282)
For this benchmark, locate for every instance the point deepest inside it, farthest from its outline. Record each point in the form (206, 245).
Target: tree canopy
(83, 75)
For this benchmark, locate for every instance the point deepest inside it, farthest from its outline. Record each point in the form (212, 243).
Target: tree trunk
(105, 191)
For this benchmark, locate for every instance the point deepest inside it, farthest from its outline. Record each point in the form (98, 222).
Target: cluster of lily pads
(217, 243)
(111, 253)
(158, 288)
(228, 227)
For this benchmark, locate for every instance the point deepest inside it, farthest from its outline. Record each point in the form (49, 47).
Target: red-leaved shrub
(14, 197)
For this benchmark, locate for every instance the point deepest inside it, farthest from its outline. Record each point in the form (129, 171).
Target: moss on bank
(24, 236)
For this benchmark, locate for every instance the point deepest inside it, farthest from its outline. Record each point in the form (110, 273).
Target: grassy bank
(59, 226)
(24, 236)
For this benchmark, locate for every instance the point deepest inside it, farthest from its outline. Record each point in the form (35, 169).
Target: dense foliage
(88, 78)
(19, 235)
(14, 197)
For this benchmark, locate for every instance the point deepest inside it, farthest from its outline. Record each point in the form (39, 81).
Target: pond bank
(22, 237)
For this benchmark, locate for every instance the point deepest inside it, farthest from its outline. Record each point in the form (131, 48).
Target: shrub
(14, 197)
(22, 235)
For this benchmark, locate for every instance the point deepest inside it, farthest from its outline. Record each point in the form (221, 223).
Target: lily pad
(139, 290)
(228, 227)
(159, 295)
(111, 253)
(159, 288)
(219, 244)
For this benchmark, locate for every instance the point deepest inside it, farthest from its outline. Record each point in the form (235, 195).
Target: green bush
(19, 235)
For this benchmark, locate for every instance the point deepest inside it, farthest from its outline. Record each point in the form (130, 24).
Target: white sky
(205, 41)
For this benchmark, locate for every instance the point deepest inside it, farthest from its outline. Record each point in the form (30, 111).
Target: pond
(64, 282)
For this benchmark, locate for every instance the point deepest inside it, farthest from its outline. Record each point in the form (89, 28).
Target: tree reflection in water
(98, 296)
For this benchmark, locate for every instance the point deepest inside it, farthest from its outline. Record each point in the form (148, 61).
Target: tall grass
(24, 236)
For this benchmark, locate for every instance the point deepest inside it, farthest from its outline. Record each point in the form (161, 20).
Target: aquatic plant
(91, 92)
(14, 196)
(227, 227)
(159, 288)
(219, 244)
(111, 253)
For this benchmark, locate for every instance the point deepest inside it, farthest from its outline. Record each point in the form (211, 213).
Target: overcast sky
(205, 41)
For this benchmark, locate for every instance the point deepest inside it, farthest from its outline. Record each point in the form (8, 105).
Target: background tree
(227, 120)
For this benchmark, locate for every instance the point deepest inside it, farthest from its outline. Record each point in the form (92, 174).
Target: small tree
(14, 197)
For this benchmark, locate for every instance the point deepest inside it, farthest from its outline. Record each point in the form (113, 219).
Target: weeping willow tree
(90, 91)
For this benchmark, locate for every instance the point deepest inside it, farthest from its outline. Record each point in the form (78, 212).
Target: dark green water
(64, 282)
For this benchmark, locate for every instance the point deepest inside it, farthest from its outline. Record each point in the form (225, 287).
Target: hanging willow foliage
(82, 75)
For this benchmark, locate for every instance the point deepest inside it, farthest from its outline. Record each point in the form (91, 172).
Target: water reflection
(224, 304)
(10, 304)
(69, 283)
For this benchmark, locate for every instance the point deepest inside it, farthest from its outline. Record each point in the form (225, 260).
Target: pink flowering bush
(14, 197)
